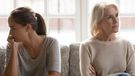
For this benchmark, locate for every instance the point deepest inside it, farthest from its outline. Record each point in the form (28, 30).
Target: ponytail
(41, 29)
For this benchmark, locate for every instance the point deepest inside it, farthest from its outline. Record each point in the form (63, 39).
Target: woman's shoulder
(87, 41)
(50, 40)
(91, 41)
(123, 40)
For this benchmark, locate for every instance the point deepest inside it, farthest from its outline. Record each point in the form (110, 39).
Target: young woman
(32, 52)
(106, 54)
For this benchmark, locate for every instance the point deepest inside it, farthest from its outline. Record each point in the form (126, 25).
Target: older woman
(106, 54)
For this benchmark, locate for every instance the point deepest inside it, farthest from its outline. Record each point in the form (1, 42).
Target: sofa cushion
(64, 60)
(74, 60)
(2, 60)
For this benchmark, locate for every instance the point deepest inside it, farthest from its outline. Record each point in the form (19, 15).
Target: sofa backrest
(2, 60)
(74, 69)
(65, 60)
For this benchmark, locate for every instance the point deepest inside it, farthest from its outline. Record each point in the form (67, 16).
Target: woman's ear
(28, 27)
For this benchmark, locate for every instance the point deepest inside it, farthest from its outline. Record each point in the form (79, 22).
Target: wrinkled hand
(91, 71)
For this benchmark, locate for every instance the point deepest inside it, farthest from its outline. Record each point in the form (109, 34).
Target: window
(128, 8)
(127, 20)
(61, 18)
(6, 7)
(3, 31)
(61, 7)
(36, 5)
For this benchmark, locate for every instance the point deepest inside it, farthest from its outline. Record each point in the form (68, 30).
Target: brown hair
(24, 16)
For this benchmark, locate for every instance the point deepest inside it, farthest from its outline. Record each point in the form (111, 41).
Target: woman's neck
(104, 37)
(33, 44)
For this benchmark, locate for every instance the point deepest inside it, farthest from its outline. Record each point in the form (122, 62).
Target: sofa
(69, 58)
(2, 59)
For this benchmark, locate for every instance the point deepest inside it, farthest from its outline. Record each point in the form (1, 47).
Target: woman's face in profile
(17, 31)
(110, 22)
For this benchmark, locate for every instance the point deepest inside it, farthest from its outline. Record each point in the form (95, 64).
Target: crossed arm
(53, 73)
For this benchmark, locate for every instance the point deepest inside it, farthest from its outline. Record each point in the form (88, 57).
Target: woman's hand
(91, 71)
(12, 44)
(53, 73)
(12, 66)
